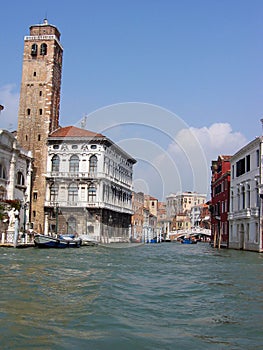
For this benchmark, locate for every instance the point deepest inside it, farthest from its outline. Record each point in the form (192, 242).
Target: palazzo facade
(246, 193)
(88, 186)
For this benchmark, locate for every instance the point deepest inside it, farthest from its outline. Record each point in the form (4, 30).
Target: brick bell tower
(39, 106)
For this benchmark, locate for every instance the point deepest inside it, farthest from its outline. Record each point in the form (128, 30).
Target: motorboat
(61, 241)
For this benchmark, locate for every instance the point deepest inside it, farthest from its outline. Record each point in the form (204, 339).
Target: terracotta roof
(72, 131)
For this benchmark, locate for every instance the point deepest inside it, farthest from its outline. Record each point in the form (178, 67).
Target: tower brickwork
(39, 106)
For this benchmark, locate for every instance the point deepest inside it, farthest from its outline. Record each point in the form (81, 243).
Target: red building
(220, 194)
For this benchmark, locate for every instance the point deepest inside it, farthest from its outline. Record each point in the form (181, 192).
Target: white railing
(81, 204)
(244, 213)
(8, 238)
(88, 175)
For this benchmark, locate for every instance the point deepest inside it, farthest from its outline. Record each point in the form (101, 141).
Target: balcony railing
(87, 175)
(103, 205)
(244, 214)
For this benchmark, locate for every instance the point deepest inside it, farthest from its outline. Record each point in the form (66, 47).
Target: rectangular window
(248, 163)
(257, 156)
(233, 171)
(34, 196)
(240, 167)
(218, 189)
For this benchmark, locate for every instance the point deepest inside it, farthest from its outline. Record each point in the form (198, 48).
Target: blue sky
(201, 60)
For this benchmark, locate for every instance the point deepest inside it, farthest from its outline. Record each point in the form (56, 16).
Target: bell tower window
(34, 50)
(43, 49)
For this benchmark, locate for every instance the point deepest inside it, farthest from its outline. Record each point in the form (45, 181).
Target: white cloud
(218, 138)
(193, 149)
(9, 98)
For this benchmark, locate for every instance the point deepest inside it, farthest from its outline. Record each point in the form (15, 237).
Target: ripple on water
(165, 296)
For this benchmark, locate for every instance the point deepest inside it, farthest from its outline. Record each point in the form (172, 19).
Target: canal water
(156, 296)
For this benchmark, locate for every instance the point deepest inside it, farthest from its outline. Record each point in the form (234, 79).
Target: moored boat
(62, 241)
(189, 240)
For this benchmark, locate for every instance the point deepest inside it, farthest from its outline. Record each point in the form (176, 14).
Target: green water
(156, 296)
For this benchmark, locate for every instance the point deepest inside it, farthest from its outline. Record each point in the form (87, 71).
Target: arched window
(20, 179)
(232, 201)
(34, 50)
(74, 164)
(92, 193)
(53, 192)
(106, 165)
(238, 199)
(43, 49)
(257, 195)
(248, 196)
(93, 161)
(55, 163)
(243, 197)
(2, 172)
(73, 193)
(72, 225)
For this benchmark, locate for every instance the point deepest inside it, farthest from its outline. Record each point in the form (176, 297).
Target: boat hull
(188, 241)
(42, 241)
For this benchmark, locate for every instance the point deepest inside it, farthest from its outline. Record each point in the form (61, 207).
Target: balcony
(244, 214)
(70, 175)
(99, 205)
(66, 175)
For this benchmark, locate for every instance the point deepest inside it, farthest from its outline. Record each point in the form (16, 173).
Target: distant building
(151, 203)
(163, 223)
(182, 203)
(246, 193)
(138, 214)
(186, 200)
(88, 186)
(200, 216)
(171, 206)
(220, 187)
(181, 221)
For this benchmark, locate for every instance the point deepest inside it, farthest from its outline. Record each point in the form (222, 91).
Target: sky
(174, 83)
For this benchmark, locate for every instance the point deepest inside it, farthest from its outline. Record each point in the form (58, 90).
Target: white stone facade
(89, 179)
(15, 168)
(15, 174)
(245, 215)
